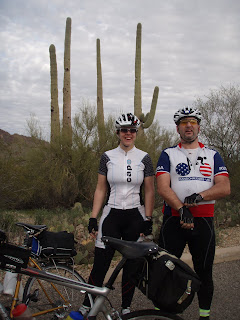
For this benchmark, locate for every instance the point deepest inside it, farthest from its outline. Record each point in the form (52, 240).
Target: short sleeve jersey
(125, 172)
(188, 178)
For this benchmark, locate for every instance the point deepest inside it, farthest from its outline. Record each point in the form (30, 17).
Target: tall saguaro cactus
(67, 127)
(148, 119)
(55, 123)
(100, 112)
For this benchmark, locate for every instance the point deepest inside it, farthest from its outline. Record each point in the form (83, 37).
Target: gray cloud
(188, 48)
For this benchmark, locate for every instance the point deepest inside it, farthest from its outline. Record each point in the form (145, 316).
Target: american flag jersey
(188, 178)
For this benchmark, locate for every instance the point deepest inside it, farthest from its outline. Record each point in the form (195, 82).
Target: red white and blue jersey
(125, 172)
(188, 178)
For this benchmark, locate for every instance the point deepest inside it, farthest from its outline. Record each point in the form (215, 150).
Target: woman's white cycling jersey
(125, 172)
(188, 178)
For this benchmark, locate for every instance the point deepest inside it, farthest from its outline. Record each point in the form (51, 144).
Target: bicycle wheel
(54, 295)
(150, 314)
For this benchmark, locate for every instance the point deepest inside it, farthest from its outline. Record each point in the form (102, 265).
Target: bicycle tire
(74, 296)
(150, 314)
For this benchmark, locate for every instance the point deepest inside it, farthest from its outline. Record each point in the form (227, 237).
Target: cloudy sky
(189, 47)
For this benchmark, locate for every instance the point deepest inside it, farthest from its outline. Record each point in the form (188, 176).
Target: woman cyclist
(122, 174)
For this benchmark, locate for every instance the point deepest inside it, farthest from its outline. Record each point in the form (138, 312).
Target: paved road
(226, 302)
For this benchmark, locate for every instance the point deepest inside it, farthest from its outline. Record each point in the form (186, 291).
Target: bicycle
(42, 296)
(129, 250)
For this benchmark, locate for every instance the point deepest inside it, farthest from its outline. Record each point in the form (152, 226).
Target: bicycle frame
(101, 292)
(17, 288)
(135, 250)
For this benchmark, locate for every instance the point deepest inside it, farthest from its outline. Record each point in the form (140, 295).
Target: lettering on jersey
(194, 178)
(182, 169)
(222, 168)
(159, 168)
(129, 169)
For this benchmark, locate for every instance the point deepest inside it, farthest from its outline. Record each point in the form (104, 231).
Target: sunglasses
(186, 121)
(126, 130)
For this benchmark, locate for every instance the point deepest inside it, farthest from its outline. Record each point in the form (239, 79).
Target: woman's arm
(99, 195)
(149, 195)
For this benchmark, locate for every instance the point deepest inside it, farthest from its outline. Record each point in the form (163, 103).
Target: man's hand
(147, 227)
(193, 199)
(92, 226)
(186, 218)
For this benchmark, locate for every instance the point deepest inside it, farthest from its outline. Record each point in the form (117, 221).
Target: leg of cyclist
(108, 226)
(172, 237)
(202, 248)
(130, 230)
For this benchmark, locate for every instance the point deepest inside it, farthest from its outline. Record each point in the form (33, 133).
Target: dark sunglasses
(126, 130)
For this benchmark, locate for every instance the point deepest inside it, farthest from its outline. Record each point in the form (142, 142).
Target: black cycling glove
(147, 227)
(185, 215)
(92, 225)
(193, 198)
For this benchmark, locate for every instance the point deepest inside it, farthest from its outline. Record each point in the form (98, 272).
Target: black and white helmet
(187, 112)
(127, 120)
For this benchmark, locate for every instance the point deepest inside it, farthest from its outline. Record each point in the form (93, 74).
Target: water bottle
(75, 315)
(9, 284)
(22, 312)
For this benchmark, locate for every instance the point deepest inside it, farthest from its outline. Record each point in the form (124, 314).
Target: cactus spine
(55, 123)
(100, 112)
(67, 127)
(148, 119)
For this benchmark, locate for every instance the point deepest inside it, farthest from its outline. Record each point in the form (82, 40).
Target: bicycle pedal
(32, 297)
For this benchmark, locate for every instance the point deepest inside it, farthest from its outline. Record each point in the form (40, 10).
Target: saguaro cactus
(67, 127)
(148, 119)
(100, 112)
(55, 123)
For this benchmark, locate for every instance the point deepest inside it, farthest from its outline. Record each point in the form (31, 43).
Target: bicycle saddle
(29, 227)
(131, 249)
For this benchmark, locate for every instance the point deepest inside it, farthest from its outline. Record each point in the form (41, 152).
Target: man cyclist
(190, 177)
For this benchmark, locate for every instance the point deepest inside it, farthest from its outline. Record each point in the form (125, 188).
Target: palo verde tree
(220, 126)
(147, 119)
(220, 129)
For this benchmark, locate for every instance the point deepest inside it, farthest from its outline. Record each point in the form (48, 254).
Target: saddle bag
(13, 257)
(167, 281)
(54, 243)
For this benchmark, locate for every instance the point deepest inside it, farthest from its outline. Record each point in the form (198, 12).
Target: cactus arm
(151, 114)
(100, 113)
(55, 123)
(67, 128)
(137, 90)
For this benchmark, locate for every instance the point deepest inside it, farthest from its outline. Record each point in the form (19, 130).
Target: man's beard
(190, 139)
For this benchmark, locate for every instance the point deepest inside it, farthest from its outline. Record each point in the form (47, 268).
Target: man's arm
(165, 191)
(220, 189)
(170, 197)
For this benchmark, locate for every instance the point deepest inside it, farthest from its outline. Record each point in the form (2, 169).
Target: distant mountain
(9, 139)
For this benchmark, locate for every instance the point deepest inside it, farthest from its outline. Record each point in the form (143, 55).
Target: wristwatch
(149, 218)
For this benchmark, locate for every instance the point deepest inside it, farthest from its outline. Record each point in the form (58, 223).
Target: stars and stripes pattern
(182, 169)
(205, 170)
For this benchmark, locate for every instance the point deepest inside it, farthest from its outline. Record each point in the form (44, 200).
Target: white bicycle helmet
(127, 120)
(187, 112)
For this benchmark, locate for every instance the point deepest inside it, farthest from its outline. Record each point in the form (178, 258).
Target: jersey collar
(201, 145)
